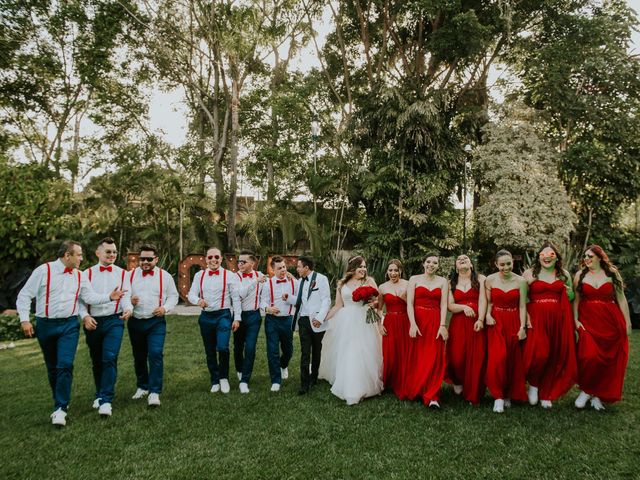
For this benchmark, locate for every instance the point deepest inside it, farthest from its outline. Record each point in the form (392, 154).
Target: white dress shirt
(220, 291)
(104, 281)
(271, 295)
(147, 289)
(56, 292)
(250, 291)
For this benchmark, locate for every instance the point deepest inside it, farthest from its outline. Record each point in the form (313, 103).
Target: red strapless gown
(603, 347)
(550, 349)
(395, 344)
(466, 349)
(505, 376)
(427, 365)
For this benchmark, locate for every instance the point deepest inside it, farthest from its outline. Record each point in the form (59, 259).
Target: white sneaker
(215, 388)
(498, 405)
(140, 393)
(239, 375)
(224, 385)
(275, 387)
(507, 403)
(105, 410)
(596, 403)
(96, 404)
(434, 404)
(154, 400)
(244, 388)
(532, 393)
(457, 389)
(546, 403)
(59, 418)
(284, 373)
(582, 400)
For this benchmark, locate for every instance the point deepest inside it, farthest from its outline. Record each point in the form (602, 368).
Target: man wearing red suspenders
(278, 321)
(57, 286)
(104, 324)
(245, 333)
(153, 295)
(217, 291)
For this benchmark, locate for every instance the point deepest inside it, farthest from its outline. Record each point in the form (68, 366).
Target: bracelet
(443, 325)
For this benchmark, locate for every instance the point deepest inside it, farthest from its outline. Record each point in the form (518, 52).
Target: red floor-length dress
(603, 345)
(427, 365)
(550, 349)
(466, 349)
(395, 344)
(505, 377)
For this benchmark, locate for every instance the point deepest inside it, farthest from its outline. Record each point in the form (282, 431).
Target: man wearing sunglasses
(217, 291)
(153, 295)
(245, 333)
(104, 324)
(57, 286)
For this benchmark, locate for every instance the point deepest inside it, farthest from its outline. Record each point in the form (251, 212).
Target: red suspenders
(48, 293)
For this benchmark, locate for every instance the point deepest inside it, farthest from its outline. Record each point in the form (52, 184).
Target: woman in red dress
(550, 350)
(506, 326)
(603, 323)
(467, 344)
(427, 308)
(394, 327)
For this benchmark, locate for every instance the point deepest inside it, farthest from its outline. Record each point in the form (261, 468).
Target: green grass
(195, 434)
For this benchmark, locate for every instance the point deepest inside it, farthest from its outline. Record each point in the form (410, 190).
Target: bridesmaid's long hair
(537, 266)
(453, 278)
(609, 268)
(352, 265)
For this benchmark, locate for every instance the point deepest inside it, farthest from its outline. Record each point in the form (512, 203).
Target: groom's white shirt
(315, 304)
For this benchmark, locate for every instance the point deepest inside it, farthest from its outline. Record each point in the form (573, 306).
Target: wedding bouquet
(364, 294)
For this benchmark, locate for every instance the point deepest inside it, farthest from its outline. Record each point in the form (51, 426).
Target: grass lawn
(196, 434)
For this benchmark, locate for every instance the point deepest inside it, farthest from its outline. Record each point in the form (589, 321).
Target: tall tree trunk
(233, 165)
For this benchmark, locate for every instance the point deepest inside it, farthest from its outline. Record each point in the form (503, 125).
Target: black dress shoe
(303, 390)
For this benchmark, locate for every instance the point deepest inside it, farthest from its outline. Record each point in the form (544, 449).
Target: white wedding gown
(352, 353)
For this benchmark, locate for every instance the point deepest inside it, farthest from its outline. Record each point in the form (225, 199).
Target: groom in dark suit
(312, 305)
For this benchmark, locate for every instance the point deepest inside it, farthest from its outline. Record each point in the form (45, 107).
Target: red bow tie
(68, 270)
(245, 275)
(212, 272)
(106, 269)
(282, 281)
(145, 273)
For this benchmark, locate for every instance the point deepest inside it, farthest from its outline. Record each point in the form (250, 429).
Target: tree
(522, 202)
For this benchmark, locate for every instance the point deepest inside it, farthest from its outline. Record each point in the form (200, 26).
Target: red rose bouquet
(364, 294)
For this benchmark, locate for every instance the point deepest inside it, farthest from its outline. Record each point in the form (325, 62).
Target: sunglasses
(551, 255)
(586, 255)
(147, 259)
(241, 262)
(211, 257)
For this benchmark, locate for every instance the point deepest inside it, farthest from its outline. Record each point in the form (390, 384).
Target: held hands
(235, 325)
(135, 300)
(413, 330)
(468, 311)
(316, 323)
(27, 328)
(159, 311)
(202, 303)
(442, 333)
(479, 325)
(89, 322)
(117, 294)
(262, 279)
(522, 333)
(126, 314)
(490, 321)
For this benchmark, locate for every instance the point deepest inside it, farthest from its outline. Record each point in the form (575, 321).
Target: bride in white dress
(352, 348)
